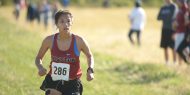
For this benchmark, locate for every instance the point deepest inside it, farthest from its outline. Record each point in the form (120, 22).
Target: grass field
(120, 69)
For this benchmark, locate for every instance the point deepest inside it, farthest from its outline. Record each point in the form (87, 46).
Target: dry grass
(106, 30)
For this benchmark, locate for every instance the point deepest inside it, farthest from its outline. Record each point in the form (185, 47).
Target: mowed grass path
(117, 71)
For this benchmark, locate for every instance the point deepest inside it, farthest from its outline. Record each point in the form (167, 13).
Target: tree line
(98, 3)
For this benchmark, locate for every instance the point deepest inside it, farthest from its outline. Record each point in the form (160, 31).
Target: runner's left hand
(89, 76)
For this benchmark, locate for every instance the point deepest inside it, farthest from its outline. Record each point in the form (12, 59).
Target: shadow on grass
(132, 73)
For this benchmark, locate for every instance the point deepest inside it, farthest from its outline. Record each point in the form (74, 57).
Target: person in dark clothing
(106, 3)
(45, 11)
(38, 12)
(167, 14)
(30, 12)
(54, 9)
(16, 11)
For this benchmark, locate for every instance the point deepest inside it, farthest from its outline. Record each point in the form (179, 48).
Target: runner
(64, 75)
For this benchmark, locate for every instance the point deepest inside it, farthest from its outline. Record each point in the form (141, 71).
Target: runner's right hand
(42, 72)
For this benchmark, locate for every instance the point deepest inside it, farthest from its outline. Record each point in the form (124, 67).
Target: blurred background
(120, 68)
(96, 3)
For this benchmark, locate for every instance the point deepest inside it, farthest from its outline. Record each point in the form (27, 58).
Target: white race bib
(60, 71)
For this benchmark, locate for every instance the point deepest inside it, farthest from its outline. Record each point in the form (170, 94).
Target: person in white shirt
(137, 19)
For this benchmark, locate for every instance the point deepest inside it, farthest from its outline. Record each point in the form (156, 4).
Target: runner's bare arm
(90, 59)
(86, 50)
(43, 49)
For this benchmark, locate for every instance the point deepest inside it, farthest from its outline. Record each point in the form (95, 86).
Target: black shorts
(72, 87)
(166, 38)
(134, 30)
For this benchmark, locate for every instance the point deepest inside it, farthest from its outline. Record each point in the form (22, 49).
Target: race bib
(60, 71)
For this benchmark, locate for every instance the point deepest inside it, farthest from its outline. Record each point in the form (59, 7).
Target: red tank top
(181, 28)
(68, 56)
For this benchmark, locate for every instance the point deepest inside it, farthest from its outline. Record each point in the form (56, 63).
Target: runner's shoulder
(48, 40)
(79, 38)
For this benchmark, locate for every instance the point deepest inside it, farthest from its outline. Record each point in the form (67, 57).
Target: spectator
(17, 8)
(30, 12)
(106, 3)
(180, 26)
(184, 46)
(167, 14)
(137, 19)
(46, 11)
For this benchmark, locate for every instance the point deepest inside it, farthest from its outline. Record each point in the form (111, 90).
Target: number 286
(60, 71)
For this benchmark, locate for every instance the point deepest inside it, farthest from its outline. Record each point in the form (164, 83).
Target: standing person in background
(65, 71)
(137, 20)
(106, 3)
(38, 12)
(183, 48)
(46, 9)
(180, 26)
(54, 8)
(32, 13)
(30, 16)
(17, 9)
(167, 15)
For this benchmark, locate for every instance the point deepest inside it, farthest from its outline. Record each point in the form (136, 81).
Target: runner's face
(64, 23)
